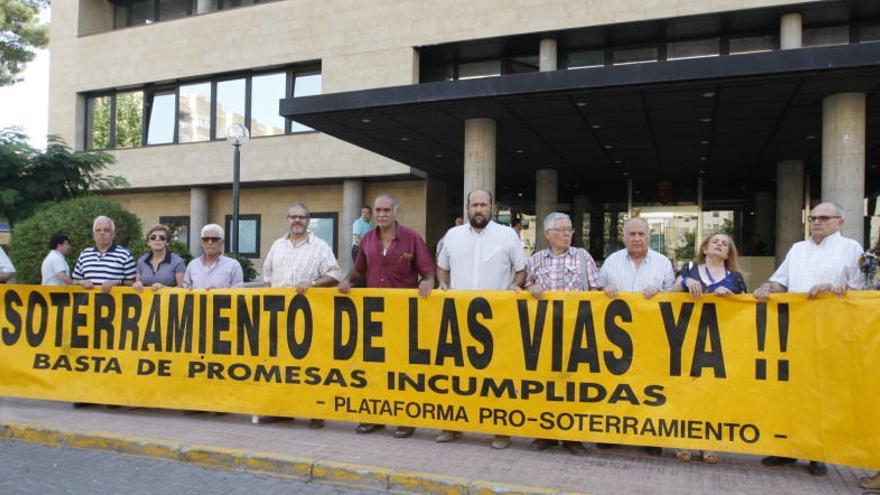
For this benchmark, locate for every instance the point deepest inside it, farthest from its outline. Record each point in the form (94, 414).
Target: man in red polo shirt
(391, 256)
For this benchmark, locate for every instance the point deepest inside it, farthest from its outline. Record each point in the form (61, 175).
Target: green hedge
(72, 217)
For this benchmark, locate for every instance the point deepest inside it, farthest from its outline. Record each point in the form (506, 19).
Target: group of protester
(479, 254)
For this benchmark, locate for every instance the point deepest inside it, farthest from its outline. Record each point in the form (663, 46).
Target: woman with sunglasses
(159, 267)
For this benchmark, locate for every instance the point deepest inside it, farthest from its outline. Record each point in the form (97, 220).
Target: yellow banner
(791, 377)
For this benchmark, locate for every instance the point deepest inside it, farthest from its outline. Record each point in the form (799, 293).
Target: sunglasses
(158, 237)
(211, 239)
(821, 218)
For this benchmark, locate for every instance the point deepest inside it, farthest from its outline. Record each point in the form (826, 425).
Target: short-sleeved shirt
(574, 269)
(359, 228)
(620, 271)
(222, 274)
(288, 264)
(6, 263)
(835, 260)
(53, 264)
(483, 260)
(97, 267)
(167, 272)
(400, 265)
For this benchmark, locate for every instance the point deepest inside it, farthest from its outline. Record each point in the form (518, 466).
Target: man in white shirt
(55, 270)
(826, 262)
(480, 255)
(301, 260)
(636, 268)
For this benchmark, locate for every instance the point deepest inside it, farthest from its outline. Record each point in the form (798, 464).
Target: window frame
(178, 220)
(227, 246)
(330, 215)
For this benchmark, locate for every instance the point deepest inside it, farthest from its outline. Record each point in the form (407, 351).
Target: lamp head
(237, 134)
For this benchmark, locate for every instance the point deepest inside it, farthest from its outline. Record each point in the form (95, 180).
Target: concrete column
(546, 184)
(479, 156)
(843, 158)
(789, 206)
(352, 201)
(580, 206)
(791, 31)
(763, 217)
(203, 6)
(198, 218)
(547, 58)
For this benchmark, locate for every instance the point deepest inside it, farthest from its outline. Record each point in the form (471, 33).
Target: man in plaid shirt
(560, 267)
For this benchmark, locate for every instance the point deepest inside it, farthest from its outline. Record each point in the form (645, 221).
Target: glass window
(752, 44)
(521, 65)
(173, 9)
(474, 70)
(635, 55)
(692, 49)
(129, 119)
(142, 12)
(194, 114)
(826, 36)
(266, 92)
(249, 235)
(98, 123)
(323, 225)
(585, 58)
(237, 3)
(437, 73)
(305, 85)
(179, 227)
(160, 112)
(230, 105)
(869, 33)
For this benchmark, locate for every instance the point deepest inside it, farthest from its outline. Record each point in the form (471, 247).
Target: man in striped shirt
(107, 264)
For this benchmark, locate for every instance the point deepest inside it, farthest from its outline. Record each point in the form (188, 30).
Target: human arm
(442, 279)
(763, 292)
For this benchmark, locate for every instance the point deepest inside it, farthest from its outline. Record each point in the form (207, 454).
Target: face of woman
(157, 240)
(719, 245)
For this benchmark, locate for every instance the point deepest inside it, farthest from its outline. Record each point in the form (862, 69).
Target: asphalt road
(29, 469)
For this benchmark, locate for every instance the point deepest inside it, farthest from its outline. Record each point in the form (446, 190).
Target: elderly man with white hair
(107, 264)
(213, 270)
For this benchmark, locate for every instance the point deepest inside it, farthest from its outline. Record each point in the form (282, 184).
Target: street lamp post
(237, 135)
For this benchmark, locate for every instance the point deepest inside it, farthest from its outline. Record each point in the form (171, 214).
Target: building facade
(691, 113)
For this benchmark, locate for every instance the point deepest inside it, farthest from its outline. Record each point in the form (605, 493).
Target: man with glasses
(106, 264)
(213, 270)
(560, 267)
(826, 262)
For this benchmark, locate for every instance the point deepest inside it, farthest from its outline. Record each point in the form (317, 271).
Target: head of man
(298, 218)
(385, 208)
(60, 243)
(636, 237)
(825, 220)
(366, 213)
(479, 208)
(212, 240)
(516, 224)
(558, 231)
(458, 221)
(104, 232)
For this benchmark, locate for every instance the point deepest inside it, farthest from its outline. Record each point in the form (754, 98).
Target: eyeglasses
(297, 217)
(821, 218)
(158, 237)
(211, 239)
(568, 230)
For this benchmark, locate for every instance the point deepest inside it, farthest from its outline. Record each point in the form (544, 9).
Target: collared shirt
(288, 264)
(97, 267)
(359, 228)
(165, 274)
(53, 264)
(572, 270)
(835, 260)
(484, 260)
(620, 271)
(400, 265)
(223, 274)
(6, 263)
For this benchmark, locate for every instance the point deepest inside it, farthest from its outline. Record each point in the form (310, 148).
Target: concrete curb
(302, 468)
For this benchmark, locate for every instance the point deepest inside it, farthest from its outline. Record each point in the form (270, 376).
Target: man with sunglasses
(213, 270)
(826, 262)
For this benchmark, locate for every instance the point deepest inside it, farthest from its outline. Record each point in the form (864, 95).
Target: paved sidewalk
(337, 454)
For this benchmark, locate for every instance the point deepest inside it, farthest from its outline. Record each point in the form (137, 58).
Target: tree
(20, 35)
(30, 239)
(29, 177)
